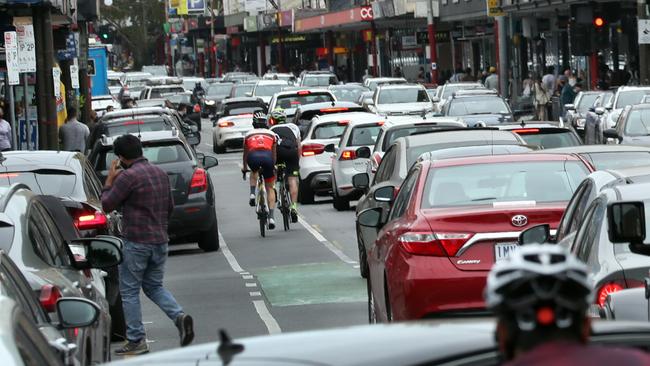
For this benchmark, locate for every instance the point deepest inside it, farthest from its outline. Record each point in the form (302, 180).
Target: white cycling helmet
(540, 285)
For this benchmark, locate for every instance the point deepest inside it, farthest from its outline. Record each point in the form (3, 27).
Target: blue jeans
(143, 267)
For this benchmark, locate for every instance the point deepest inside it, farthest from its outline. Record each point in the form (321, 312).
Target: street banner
(74, 76)
(644, 31)
(11, 49)
(26, 44)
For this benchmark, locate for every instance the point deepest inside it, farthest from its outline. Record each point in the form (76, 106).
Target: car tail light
(199, 181)
(48, 297)
(312, 149)
(605, 290)
(526, 130)
(9, 175)
(226, 124)
(89, 221)
(304, 92)
(433, 244)
(348, 155)
(344, 122)
(334, 110)
(197, 108)
(130, 123)
(380, 123)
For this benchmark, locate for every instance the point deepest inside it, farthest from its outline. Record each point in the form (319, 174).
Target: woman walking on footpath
(540, 99)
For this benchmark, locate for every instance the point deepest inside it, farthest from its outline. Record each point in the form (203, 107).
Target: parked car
(402, 99)
(194, 217)
(265, 89)
(318, 78)
(305, 113)
(348, 92)
(608, 156)
(373, 83)
(478, 108)
(232, 120)
(406, 151)
(289, 100)
(451, 220)
(32, 236)
(547, 135)
(632, 127)
(362, 130)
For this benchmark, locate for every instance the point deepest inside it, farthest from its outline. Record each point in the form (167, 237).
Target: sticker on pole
(56, 79)
(644, 31)
(434, 66)
(11, 49)
(74, 76)
(26, 47)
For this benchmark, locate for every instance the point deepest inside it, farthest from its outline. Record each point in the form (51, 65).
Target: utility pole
(145, 46)
(47, 120)
(212, 43)
(433, 53)
(84, 79)
(502, 65)
(644, 75)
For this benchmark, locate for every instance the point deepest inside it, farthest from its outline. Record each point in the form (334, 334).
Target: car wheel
(209, 239)
(372, 314)
(363, 257)
(340, 203)
(219, 149)
(118, 324)
(305, 193)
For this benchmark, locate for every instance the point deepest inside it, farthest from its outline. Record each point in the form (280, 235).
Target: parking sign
(195, 6)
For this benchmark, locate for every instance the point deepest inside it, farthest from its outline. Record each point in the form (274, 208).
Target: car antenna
(227, 350)
(523, 123)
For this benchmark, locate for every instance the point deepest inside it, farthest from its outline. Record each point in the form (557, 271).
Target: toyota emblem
(519, 220)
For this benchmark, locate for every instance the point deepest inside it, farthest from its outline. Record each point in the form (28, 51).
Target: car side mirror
(361, 181)
(611, 133)
(435, 99)
(570, 107)
(539, 234)
(76, 312)
(368, 101)
(626, 222)
(599, 111)
(194, 128)
(370, 217)
(193, 139)
(385, 194)
(101, 253)
(330, 148)
(209, 162)
(363, 152)
(249, 94)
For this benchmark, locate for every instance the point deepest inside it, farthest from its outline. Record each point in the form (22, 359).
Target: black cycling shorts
(262, 160)
(291, 159)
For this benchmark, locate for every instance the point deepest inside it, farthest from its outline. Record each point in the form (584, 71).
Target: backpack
(287, 138)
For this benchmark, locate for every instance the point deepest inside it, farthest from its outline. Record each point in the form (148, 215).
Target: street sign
(74, 76)
(195, 6)
(56, 79)
(644, 31)
(494, 8)
(11, 49)
(26, 44)
(22, 128)
(434, 66)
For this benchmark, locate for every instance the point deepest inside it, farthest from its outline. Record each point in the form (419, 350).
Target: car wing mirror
(385, 194)
(626, 224)
(539, 234)
(370, 217)
(361, 181)
(570, 107)
(368, 101)
(76, 312)
(209, 162)
(193, 139)
(101, 253)
(611, 133)
(363, 152)
(330, 148)
(599, 111)
(435, 100)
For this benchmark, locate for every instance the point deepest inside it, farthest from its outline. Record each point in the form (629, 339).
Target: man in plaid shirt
(141, 190)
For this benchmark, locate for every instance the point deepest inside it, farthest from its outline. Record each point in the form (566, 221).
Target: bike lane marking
(321, 239)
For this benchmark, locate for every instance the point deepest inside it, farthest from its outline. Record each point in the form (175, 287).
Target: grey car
(399, 100)
(478, 108)
(632, 126)
(29, 234)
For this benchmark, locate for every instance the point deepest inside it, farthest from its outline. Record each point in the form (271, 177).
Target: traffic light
(601, 31)
(105, 34)
(599, 22)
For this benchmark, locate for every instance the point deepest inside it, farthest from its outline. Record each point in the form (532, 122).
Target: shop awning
(333, 20)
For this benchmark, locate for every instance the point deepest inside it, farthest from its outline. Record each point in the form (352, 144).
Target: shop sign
(409, 41)
(366, 13)
(423, 37)
(644, 31)
(494, 8)
(288, 39)
(267, 21)
(232, 29)
(250, 24)
(196, 6)
(286, 18)
(329, 20)
(74, 76)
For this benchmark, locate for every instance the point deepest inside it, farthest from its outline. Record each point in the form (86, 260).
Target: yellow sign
(182, 7)
(174, 3)
(494, 8)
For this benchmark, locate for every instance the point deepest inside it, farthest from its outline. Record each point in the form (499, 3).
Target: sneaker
(251, 200)
(294, 215)
(185, 326)
(271, 224)
(133, 348)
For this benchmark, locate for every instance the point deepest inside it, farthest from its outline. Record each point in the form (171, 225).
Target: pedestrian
(540, 99)
(468, 75)
(110, 109)
(73, 134)
(492, 81)
(142, 191)
(398, 72)
(5, 133)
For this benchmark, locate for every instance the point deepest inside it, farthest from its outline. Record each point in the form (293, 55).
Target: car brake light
(526, 130)
(348, 155)
(226, 124)
(304, 92)
(605, 290)
(332, 110)
(199, 181)
(197, 108)
(433, 244)
(344, 122)
(8, 175)
(89, 221)
(130, 123)
(312, 149)
(380, 123)
(48, 297)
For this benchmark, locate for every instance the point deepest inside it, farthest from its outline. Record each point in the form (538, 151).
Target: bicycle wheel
(262, 225)
(261, 208)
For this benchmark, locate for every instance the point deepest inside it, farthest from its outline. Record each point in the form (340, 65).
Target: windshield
(403, 95)
(163, 92)
(364, 135)
(179, 98)
(319, 80)
(60, 183)
(241, 90)
(551, 140)
(294, 100)
(494, 183)
(219, 89)
(449, 90)
(170, 152)
(348, 94)
(268, 90)
(191, 84)
(395, 133)
(638, 122)
(586, 101)
(328, 131)
(630, 97)
(242, 108)
(477, 105)
(118, 128)
(618, 160)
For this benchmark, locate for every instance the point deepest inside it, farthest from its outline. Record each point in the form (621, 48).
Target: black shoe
(133, 348)
(185, 327)
(251, 200)
(294, 215)
(271, 224)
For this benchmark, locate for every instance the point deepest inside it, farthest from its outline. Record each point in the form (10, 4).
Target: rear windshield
(60, 183)
(179, 98)
(163, 92)
(403, 95)
(268, 90)
(328, 131)
(618, 160)
(551, 140)
(170, 152)
(294, 100)
(492, 184)
(242, 89)
(348, 94)
(117, 128)
(451, 89)
(219, 89)
(630, 97)
(319, 80)
(233, 109)
(638, 122)
(477, 105)
(394, 134)
(364, 135)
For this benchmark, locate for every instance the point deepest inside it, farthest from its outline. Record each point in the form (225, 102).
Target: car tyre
(305, 193)
(389, 310)
(372, 313)
(209, 239)
(363, 257)
(219, 149)
(340, 203)
(118, 323)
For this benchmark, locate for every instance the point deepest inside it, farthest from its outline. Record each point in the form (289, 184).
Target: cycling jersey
(260, 139)
(566, 353)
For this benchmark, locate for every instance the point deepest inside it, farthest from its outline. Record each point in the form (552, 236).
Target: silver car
(361, 131)
(403, 99)
(625, 96)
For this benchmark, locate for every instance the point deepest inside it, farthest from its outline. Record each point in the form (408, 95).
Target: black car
(194, 217)
(238, 106)
(305, 113)
(213, 95)
(437, 144)
(547, 135)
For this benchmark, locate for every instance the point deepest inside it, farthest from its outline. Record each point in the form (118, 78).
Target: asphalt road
(304, 279)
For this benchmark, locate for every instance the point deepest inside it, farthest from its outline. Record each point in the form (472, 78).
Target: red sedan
(451, 220)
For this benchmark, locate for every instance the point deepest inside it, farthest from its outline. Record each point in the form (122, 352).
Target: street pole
(503, 56)
(643, 48)
(84, 83)
(145, 47)
(433, 54)
(213, 49)
(47, 120)
(375, 66)
(12, 114)
(26, 111)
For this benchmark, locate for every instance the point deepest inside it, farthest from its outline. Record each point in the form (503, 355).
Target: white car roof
(393, 121)
(272, 82)
(400, 86)
(353, 117)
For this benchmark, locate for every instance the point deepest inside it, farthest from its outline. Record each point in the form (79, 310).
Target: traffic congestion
(290, 213)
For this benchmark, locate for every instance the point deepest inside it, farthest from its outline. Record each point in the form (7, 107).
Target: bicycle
(284, 201)
(261, 204)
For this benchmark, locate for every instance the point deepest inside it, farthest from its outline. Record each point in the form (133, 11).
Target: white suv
(625, 96)
(288, 101)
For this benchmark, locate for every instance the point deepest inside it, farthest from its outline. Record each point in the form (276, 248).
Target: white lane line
(271, 324)
(232, 261)
(250, 284)
(337, 252)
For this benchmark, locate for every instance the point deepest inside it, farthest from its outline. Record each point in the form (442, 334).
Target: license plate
(504, 250)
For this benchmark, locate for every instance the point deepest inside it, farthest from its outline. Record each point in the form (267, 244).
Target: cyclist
(260, 155)
(540, 297)
(288, 154)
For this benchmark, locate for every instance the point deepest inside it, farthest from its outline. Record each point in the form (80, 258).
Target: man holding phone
(142, 192)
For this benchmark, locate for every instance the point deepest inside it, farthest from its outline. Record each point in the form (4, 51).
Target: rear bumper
(192, 217)
(229, 139)
(319, 181)
(422, 286)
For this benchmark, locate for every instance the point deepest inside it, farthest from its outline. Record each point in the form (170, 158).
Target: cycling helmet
(259, 120)
(540, 285)
(278, 117)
